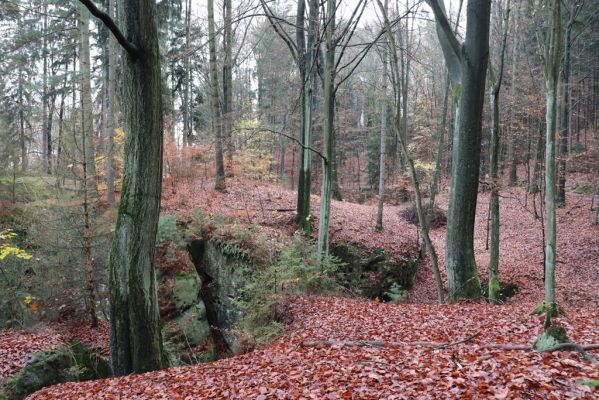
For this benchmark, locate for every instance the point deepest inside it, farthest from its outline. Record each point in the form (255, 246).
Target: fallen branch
(383, 343)
(562, 346)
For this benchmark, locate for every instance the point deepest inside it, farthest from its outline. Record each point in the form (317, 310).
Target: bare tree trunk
(379, 217)
(86, 95)
(552, 67)
(409, 160)
(494, 285)
(305, 159)
(228, 84)
(329, 121)
(215, 100)
(87, 238)
(564, 132)
(111, 117)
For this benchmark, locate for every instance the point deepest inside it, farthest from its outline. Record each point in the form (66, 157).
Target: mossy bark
(135, 337)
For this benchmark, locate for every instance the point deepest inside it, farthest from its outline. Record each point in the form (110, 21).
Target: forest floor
(419, 356)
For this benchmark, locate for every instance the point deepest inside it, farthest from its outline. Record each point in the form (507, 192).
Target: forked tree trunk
(468, 66)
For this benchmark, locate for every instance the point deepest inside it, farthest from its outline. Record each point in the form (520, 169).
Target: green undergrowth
(264, 299)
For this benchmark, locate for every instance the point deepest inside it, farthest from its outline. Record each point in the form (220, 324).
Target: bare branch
(111, 25)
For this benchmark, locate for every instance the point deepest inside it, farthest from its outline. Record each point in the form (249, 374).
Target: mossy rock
(185, 290)
(49, 367)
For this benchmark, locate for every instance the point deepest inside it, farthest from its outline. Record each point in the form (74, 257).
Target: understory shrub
(264, 299)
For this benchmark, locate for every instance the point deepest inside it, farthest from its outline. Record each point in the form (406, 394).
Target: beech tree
(135, 336)
(467, 64)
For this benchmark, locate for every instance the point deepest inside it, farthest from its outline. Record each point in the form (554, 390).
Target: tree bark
(564, 132)
(552, 67)
(86, 95)
(135, 337)
(379, 214)
(305, 158)
(215, 101)
(111, 117)
(228, 84)
(329, 121)
(494, 285)
(470, 60)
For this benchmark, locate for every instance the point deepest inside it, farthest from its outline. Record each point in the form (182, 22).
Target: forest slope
(288, 370)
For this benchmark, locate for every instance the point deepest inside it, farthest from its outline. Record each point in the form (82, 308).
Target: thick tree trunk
(471, 58)
(215, 101)
(135, 337)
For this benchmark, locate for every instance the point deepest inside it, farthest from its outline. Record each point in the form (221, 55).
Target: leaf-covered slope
(288, 370)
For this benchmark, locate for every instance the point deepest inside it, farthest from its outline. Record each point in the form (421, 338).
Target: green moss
(590, 383)
(49, 367)
(185, 290)
(494, 288)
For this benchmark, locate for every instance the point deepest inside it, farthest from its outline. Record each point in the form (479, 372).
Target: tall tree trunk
(468, 66)
(22, 141)
(379, 214)
(86, 95)
(46, 117)
(494, 285)
(552, 67)
(187, 133)
(564, 132)
(135, 337)
(215, 101)
(305, 159)
(409, 160)
(228, 84)
(511, 154)
(328, 128)
(87, 239)
(111, 117)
